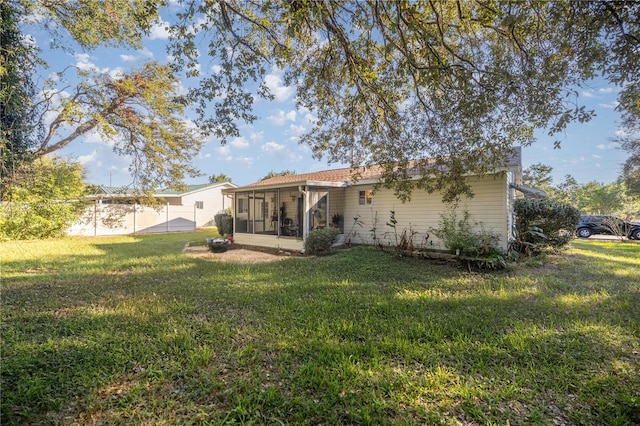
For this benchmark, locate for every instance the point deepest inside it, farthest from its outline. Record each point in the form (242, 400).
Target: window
(199, 204)
(366, 197)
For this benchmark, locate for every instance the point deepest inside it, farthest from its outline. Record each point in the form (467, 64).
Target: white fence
(122, 219)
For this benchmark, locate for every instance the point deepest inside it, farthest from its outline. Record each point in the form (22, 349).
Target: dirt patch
(241, 254)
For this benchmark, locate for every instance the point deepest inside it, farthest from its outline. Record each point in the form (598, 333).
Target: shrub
(543, 223)
(320, 240)
(458, 235)
(42, 202)
(224, 223)
(227, 226)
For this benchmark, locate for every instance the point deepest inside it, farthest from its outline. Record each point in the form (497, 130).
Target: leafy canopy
(460, 82)
(18, 123)
(140, 111)
(44, 200)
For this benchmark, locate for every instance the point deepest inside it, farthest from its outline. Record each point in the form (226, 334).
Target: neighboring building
(116, 211)
(280, 211)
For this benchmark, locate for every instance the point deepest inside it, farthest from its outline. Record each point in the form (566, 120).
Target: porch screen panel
(317, 213)
(241, 213)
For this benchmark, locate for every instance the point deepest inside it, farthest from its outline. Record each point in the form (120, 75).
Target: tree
(567, 191)
(282, 173)
(45, 200)
(219, 178)
(599, 198)
(537, 175)
(92, 23)
(139, 110)
(18, 126)
(631, 168)
(459, 82)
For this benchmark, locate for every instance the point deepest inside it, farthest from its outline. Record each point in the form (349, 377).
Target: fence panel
(123, 219)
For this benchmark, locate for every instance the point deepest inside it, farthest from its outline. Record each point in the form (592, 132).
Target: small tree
(224, 223)
(44, 200)
(543, 223)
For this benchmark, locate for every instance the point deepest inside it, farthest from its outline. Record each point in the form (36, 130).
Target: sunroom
(281, 216)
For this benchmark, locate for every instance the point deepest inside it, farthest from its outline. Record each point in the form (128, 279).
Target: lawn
(125, 330)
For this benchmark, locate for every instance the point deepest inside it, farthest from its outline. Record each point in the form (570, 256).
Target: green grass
(130, 330)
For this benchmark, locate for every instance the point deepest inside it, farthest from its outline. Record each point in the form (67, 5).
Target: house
(115, 210)
(280, 211)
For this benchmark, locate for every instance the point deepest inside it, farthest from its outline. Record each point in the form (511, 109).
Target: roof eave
(316, 183)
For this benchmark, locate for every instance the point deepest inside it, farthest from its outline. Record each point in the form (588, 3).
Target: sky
(271, 142)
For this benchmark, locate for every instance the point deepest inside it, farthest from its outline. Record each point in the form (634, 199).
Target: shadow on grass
(358, 337)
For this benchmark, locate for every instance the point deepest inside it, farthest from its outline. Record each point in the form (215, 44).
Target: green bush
(542, 223)
(224, 223)
(459, 235)
(320, 240)
(43, 200)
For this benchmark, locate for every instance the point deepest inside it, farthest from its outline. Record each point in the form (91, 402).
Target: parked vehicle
(607, 225)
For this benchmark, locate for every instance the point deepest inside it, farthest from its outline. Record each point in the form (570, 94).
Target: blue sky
(271, 142)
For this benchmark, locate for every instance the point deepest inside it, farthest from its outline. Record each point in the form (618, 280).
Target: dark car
(609, 225)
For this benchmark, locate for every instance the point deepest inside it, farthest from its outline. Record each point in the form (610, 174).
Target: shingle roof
(336, 175)
(348, 174)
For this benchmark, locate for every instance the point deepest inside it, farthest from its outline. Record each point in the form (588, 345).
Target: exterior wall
(213, 202)
(285, 243)
(489, 206)
(123, 219)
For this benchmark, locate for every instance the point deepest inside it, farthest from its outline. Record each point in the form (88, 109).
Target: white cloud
(128, 58)
(280, 151)
(239, 142)
(116, 73)
(596, 156)
(216, 69)
(280, 92)
(247, 161)
(224, 151)
(83, 63)
(279, 117)
(159, 31)
(606, 90)
(272, 147)
(587, 94)
(146, 53)
(256, 136)
(307, 114)
(611, 105)
(86, 159)
(609, 146)
(296, 131)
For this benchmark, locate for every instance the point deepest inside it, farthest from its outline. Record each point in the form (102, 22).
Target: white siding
(213, 202)
(488, 206)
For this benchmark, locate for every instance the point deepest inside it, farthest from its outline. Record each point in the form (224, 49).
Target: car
(608, 225)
